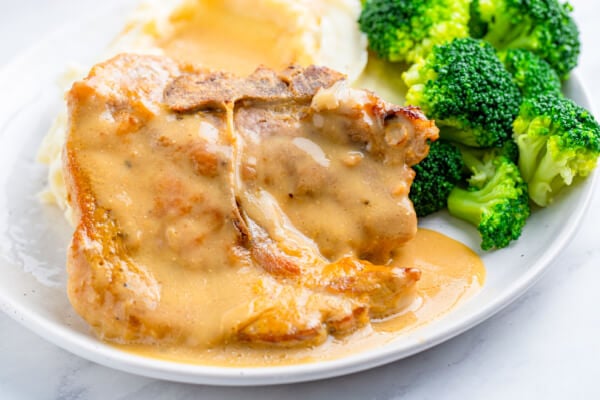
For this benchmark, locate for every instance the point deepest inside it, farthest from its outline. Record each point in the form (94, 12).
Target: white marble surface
(545, 345)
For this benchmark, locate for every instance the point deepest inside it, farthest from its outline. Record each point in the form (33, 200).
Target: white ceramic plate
(33, 237)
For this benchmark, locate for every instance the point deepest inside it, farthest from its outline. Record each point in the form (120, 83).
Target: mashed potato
(234, 35)
(323, 32)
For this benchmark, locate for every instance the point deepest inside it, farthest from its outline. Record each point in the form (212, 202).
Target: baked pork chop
(213, 209)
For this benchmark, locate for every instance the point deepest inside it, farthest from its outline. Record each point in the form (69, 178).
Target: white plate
(33, 237)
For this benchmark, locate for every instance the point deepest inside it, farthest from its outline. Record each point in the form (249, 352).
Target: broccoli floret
(435, 177)
(464, 86)
(531, 74)
(544, 27)
(558, 140)
(406, 30)
(496, 201)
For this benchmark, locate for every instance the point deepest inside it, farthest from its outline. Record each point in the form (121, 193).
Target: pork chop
(212, 208)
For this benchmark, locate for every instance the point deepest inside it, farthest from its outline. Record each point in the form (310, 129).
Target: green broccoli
(544, 27)
(480, 168)
(464, 86)
(496, 201)
(406, 30)
(435, 177)
(558, 140)
(531, 74)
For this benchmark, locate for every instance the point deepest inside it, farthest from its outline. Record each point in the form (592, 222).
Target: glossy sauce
(239, 35)
(215, 35)
(451, 274)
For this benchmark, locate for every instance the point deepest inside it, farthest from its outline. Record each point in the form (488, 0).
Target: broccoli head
(406, 30)
(464, 86)
(531, 74)
(435, 177)
(544, 27)
(496, 201)
(558, 140)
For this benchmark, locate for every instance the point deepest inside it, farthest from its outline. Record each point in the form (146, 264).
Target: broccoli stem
(530, 153)
(520, 42)
(548, 179)
(462, 204)
(475, 202)
(506, 35)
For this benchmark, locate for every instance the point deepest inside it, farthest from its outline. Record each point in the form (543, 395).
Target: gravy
(451, 274)
(217, 36)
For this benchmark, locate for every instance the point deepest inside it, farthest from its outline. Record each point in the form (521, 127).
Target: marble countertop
(544, 345)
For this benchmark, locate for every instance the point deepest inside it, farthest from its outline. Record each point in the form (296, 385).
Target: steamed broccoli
(531, 74)
(558, 140)
(435, 177)
(496, 201)
(544, 27)
(480, 169)
(406, 30)
(464, 86)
